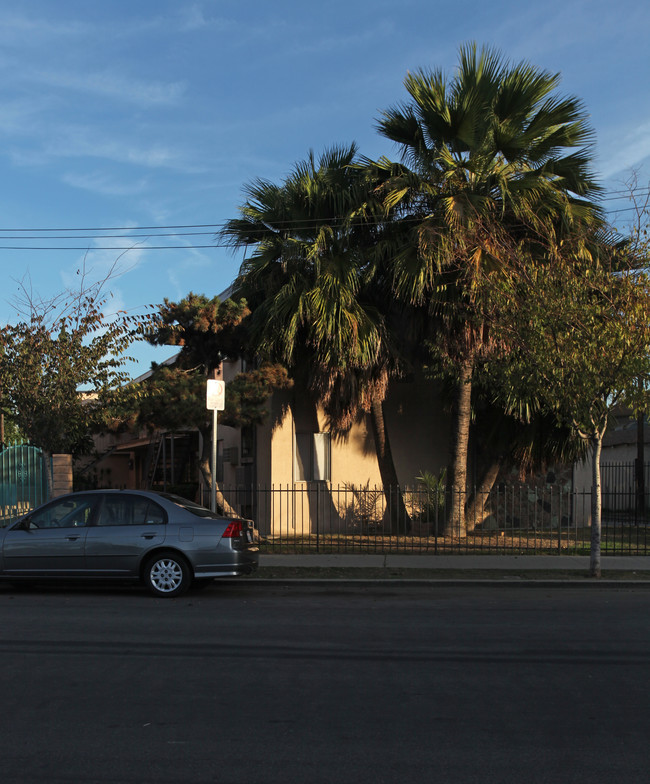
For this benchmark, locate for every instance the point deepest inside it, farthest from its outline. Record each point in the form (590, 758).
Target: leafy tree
(489, 155)
(308, 281)
(578, 342)
(207, 331)
(57, 363)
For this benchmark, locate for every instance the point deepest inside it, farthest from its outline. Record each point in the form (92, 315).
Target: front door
(50, 541)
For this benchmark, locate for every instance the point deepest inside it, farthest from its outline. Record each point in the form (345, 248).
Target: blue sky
(156, 113)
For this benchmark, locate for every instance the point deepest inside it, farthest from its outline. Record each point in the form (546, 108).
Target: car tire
(167, 575)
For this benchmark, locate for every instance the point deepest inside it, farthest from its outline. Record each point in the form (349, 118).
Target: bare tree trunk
(596, 503)
(206, 472)
(399, 517)
(476, 508)
(457, 474)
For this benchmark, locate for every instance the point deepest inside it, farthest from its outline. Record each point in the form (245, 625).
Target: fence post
(318, 517)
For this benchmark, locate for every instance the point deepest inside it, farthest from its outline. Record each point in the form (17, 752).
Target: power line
(167, 231)
(216, 227)
(111, 247)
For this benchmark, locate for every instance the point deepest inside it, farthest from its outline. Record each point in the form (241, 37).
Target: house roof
(625, 433)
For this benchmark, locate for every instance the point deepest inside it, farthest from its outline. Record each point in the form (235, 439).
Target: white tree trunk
(596, 502)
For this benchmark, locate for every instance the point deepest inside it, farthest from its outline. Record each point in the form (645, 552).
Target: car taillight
(233, 531)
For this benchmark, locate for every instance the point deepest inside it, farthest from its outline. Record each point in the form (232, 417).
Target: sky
(141, 116)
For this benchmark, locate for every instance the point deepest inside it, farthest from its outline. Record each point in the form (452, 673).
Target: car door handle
(72, 538)
(148, 536)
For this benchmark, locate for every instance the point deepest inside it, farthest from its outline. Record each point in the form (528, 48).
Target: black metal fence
(510, 519)
(620, 485)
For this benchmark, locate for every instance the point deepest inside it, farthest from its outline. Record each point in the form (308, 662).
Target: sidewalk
(635, 563)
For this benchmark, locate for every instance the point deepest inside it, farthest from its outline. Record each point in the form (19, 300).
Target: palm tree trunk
(476, 508)
(400, 520)
(457, 483)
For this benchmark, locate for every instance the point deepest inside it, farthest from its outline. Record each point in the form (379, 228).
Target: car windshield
(195, 509)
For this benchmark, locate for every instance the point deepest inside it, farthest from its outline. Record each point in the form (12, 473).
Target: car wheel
(167, 575)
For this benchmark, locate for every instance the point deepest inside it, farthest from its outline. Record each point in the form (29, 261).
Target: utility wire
(166, 231)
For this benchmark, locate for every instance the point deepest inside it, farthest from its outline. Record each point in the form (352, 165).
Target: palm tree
(308, 284)
(490, 158)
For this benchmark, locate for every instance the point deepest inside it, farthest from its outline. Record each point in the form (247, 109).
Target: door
(50, 541)
(127, 526)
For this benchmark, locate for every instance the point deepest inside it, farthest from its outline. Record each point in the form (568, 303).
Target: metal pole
(213, 490)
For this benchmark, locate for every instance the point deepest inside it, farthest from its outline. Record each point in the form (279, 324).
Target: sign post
(215, 402)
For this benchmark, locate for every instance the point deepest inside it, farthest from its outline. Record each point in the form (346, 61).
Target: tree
(488, 152)
(207, 331)
(59, 361)
(578, 340)
(308, 282)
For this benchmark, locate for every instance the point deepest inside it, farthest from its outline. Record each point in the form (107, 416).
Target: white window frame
(312, 457)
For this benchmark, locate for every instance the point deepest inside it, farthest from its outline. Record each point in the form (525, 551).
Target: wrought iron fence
(620, 485)
(23, 481)
(510, 519)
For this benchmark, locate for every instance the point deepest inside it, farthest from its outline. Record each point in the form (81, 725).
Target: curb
(498, 582)
(578, 563)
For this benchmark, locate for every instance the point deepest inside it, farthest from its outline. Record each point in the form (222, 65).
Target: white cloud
(17, 30)
(326, 45)
(194, 18)
(625, 152)
(81, 142)
(108, 84)
(104, 184)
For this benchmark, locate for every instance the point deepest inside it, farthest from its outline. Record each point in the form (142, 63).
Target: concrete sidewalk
(579, 563)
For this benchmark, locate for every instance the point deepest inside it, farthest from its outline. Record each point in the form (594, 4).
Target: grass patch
(615, 541)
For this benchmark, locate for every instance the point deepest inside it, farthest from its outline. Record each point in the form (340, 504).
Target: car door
(127, 525)
(50, 540)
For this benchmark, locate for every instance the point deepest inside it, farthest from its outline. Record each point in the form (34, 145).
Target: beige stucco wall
(418, 430)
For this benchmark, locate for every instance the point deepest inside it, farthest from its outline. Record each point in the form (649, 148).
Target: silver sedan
(161, 540)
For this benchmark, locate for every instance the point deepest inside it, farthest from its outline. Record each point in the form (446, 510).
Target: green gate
(23, 481)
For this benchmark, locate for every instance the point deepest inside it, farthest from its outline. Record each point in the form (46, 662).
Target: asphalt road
(264, 683)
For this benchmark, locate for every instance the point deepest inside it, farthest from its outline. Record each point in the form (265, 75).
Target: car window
(130, 510)
(68, 512)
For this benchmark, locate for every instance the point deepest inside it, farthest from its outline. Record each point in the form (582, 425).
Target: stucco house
(618, 466)
(291, 473)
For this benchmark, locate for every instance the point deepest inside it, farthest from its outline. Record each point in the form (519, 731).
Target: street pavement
(267, 683)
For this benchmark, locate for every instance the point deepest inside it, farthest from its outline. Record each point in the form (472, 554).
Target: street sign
(216, 395)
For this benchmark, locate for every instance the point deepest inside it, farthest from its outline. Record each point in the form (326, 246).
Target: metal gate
(23, 481)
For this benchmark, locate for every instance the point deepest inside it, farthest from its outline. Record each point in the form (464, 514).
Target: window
(69, 512)
(247, 442)
(219, 476)
(312, 457)
(130, 510)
